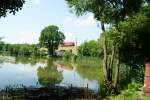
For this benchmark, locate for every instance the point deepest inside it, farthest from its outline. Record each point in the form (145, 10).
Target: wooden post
(87, 91)
(57, 90)
(87, 87)
(71, 91)
(146, 88)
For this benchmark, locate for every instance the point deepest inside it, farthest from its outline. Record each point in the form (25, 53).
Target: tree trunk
(110, 70)
(105, 53)
(129, 73)
(116, 78)
(50, 51)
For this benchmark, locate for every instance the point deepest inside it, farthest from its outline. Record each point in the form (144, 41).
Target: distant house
(66, 46)
(62, 48)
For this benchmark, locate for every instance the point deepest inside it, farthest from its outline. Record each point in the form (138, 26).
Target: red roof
(66, 44)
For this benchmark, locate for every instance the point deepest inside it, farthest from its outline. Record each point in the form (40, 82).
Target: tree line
(49, 39)
(20, 49)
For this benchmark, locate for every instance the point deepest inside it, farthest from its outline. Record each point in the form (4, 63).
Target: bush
(68, 56)
(106, 89)
(90, 48)
(131, 93)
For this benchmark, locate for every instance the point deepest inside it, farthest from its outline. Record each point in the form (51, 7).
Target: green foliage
(90, 48)
(32, 60)
(132, 35)
(131, 38)
(1, 45)
(137, 73)
(19, 49)
(131, 93)
(109, 33)
(67, 55)
(108, 11)
(146, 10)
(50, 38)
(10, 6)
(93, 68)
(130, 74)
(106, 89)
(75, 57)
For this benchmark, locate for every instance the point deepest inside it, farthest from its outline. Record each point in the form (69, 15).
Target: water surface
(16, 71)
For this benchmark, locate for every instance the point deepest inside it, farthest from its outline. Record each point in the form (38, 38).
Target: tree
(107, 11)
(132, 38)
(135, 38)
(90, 48)
(50, 38)
(10, 6)
(1, 44)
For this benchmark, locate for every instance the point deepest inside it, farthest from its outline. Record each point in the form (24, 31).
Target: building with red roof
(66, 47)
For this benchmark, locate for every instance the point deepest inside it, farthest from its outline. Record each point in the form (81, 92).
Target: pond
(39, 72)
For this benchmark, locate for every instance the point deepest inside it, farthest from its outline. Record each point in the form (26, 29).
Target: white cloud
(80, 37)
(37, 2)
(68, 20)
(80, 29)
(89, 21)
(70, 36)
(80, 22)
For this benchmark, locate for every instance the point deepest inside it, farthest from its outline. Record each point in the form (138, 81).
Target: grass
(132, 93)
(139, 96)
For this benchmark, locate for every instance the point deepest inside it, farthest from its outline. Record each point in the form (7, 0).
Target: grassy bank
(132, 93)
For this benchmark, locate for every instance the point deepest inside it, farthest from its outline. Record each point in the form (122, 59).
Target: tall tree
(106, 11)
(132, 37)
(50, 38)
(10, 6)
(135, 38)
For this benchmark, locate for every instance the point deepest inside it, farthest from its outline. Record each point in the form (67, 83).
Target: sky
(26, 25)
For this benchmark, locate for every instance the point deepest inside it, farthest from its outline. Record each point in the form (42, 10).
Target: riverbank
(134, 92)
(8, 59)
(55, 93)
(134, 96)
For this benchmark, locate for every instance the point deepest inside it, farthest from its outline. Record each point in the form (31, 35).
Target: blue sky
(26, 25)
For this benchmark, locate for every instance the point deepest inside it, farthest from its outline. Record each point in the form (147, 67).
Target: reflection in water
(49, 75)
(32, 60)
(48, 72)
(91, 73)
(72, 77)
(12, 74)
